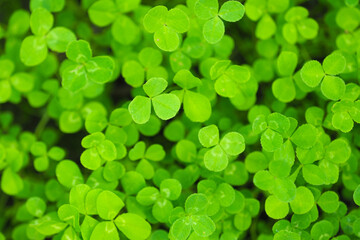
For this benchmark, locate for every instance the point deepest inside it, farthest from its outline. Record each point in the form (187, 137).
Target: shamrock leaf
(167, 25)
(166, 105)
(104, 13)
(34, 48)
(216, 159)
(85, 69)
(214, 29)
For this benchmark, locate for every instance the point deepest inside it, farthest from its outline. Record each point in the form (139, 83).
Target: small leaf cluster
(179, 120)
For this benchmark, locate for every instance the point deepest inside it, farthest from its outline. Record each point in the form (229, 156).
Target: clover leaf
(230, 80)
(332, 87)
(223, 195)
(34, 48)
(345, 113)
(104, 13)
(167, 25)
(160, 201)
(166, 105)
(148, 63)
(195, 206)
(98, 151)
(133, 226)
(299, 25)
(216, 159)
(214, 29)
(85, 69)
(284, 87)
(112, 207)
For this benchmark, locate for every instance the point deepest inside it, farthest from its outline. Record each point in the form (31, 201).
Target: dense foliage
(196, 119)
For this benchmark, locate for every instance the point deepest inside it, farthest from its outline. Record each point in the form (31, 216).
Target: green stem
(305, 54)
(253, 229)
(41, 125)
(3, 204)
(294, 175)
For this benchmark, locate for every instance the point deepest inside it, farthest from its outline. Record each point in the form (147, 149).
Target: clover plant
(179, 120)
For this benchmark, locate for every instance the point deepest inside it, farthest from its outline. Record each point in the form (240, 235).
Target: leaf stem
(294, 175)
(41, 125)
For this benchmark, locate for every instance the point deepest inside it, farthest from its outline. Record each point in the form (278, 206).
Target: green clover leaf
(167, 25)
(133, 226)
(166, 105)
(108, 205)
(213, 28)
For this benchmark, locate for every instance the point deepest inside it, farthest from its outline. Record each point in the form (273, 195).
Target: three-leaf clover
(166, 105)
(326, 171)
(230, 80)
(261, 9)
(41, 161)
(313, 73)
(299, 25)
(193, 219)
(282, 187)
(12, 84)
(273, 127)
(170, 190)
(346, 111)
(106, 12)
(98, 151)
(83, 68)
(214, 29)
(216, 159)
(107, 205)
(167, 25)
(154, 152)
(34, 48)
(218, 195)
(147, 66)
(119, 119)
(284, 192)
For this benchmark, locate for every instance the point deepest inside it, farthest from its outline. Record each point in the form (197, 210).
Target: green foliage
(166, 105)
(98, 150)
(303, 201)
(133, 226)
(108, 205)
(196, 219)
(275, 208)
(170, 190)
(284, 88)
(36, 206)
(85, 69)
(216, 159)
(329, 201)
(34, 48)
(213, 29)
(180, 120)
(299, 25)
(167, 25)
(312, 73)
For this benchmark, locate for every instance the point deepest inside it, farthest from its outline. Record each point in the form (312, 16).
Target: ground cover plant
(181, 119)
